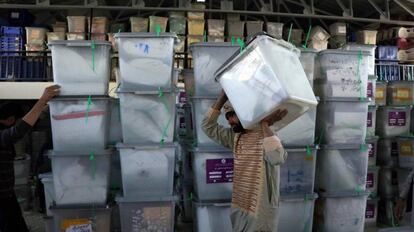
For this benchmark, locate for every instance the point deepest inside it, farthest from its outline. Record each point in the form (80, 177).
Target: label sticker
(402, 94)
(371, 151)
(370, 211)
(396, 118)
(70, 223)
(370, 180)
(379, 94)
(219, 170)
(405, 148)
(369, 90)
(369, 119)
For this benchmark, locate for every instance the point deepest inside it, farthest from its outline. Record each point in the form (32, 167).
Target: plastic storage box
(366, 37)
(91, 59)
(307, 59)
(35, 35)
(213, 173)
(254, 27)
(341, 212)
(139, 24)
(342, 168)
(337, 29)
(371, 122)
(387, 152)
(318, 45)
(178, 25)
(99, 25)
(200, 108)
(49, 191)
(21, 169)
(76, 36)
(372, 181)
(145, 60)
(319, 34)
(257, 87)
(215, 27)
(297, 174)
(389, 71)
(371, 89)
(52, 36)
(406, 151)
(207, 58)
(115, 127)
(81, 177)
(393, 121)
(400, 93)
(372, 153)
(157, 22)
(98, 218)
(337, 41)
(147, 170)
(381, 93)
(212, 216)
(76, 23)
(275, 29)
(235, 29)
(11, 31)
(387, 53)
(195, 27)
(296, 36)
(296, 213)
(365, 48)
(305, 124)
(371, 213)
(79, 123)
(343, 74)
(388, 182)
(147, 117)
(342, 121)
(147, 214)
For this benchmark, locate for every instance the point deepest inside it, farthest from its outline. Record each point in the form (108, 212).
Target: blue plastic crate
(12, 31)
(388, 71)
(387, 53)
(10, 68)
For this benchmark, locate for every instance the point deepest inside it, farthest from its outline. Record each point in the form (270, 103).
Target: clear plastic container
(212, 216)
(372, 181)
(21, 169)
(195, 27)
(381, 93)
(319, 34)
(342, 121)
(296, 36)
(156, 21)
(147, 117)
(99, 25)
(207, 163)
(275, 29)
(305, 124)
(387, 153)
(297, 174)
(341, 212)
(178, 25)
(388, 182)
(365, 48)
(254, 27)
(400, 93)
(207, 58)
(260, 81)
(52, 36)
(49, 191)
(235, 28)
(366, 37)
(216, 27)
(76, 36)
(147, 170)
(147, 214)
(34, 49)
(81, 177)
(371, 122)
(196, 15)
(36, 35)
(318, 45)
(393, 121)
(372, 153)
(387, 53)
(139, 24)
(200, 108)
(115, 127)
(66, 219)
(342, 168)
(406, 151)
(371, 89)
(296, 213)
(337, 29)
(145, 60)
(76, 24)
(343, 74)
(79, 124)
(307, 59)
(371, 213)
(91, 59)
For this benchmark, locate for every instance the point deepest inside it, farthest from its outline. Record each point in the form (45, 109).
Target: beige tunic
(255, 198)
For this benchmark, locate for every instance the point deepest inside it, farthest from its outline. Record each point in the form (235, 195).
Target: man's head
(232, 118)
(9, 113)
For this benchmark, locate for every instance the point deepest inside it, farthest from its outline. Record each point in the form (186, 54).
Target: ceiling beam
(377, 8)
(315, 9)
(405, 7)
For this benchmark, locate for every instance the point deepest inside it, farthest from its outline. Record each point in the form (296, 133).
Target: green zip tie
(358, 189)
(233, 40)
(88, 108)
(307, 37)
(241, 44)
(93, 47)
(93, 164)
(363, 147)
(191, 196)
(205, 36)
(308, 151)
(158, 29)
(290, 32)
(164, 132)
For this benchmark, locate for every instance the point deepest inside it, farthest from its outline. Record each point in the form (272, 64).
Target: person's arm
(13, 134)
(274, 153)
(220, 134)
(401, 202)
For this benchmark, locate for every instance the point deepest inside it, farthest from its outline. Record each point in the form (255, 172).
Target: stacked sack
(147, 108)
(77, 191)
(342, 165)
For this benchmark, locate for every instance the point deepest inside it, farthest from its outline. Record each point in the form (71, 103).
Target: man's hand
(274, 117)
(399, 208)
(49, 93)
(221, 100)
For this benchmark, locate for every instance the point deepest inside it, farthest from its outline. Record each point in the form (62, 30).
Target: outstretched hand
(274, 117)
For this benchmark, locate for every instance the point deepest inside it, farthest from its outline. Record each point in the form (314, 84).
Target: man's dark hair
(8, 109)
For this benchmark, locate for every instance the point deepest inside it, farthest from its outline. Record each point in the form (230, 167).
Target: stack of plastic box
(99, 28)
(80, 126)
(76, 28)
(196, 25)
(338, 35)
(341, 127)
(147, 108)
(318, 38)
(35, 40)
(215, 30)
(12, 39)
(387, 67)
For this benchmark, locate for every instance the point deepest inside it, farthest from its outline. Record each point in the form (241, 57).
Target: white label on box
(342, 29)
(80, 228)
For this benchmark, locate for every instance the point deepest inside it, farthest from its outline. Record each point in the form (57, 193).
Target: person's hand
(49, 93)
(399, 208)
(274, 117)
(221, 100)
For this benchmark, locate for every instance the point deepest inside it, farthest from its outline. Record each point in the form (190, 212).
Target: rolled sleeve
(218, 133)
